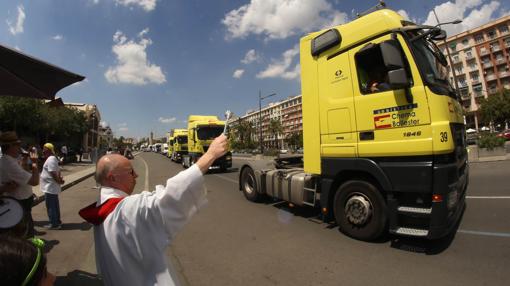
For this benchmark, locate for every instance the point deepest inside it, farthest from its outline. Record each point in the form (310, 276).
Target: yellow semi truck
(170, 142)
(384, 143)
(180, 145)
(202, 129)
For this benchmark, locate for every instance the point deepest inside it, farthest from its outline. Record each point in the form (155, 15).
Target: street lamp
(260, 118)
(458, 21)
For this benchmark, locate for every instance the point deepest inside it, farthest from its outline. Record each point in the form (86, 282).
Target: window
(491, 34)
(469, 54)
(503, 29)
(465, 42)
(372, 73)
(455, 58)
(453, 46)
(479, 38)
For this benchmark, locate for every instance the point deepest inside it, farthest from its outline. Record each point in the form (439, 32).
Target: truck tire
(360, 210)
(249, 185)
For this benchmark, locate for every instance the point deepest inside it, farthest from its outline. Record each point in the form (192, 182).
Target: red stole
(97, 214)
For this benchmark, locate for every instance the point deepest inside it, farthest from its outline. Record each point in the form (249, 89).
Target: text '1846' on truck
(384, 143)
(202, 129)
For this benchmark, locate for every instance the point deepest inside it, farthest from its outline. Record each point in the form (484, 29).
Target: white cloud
(250, 57)
(147, 5)
(404, 14)
(57, 37)
(18, 27)
(283, 67)
(133, 66)
(277, 19)
(167, 120)
(473, 13)
(238, 73)
(123, 129)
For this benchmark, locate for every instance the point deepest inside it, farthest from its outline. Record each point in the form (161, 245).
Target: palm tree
(275, 127)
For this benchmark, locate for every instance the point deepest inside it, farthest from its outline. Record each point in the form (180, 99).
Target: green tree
(275, 128)
(295, 140)
(496, 108)
(37, 122)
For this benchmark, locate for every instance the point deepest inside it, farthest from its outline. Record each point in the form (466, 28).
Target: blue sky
(151, 63)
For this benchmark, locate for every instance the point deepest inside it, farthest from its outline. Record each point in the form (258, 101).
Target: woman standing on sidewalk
(50, 186)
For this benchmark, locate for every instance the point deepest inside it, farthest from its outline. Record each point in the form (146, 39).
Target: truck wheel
(184, 163)
(249, 185)
(360, 210)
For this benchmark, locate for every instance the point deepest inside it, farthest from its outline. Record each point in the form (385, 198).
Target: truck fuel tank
(291, 185)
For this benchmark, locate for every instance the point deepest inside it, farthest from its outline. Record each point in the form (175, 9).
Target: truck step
(415, 210)
(412, 231)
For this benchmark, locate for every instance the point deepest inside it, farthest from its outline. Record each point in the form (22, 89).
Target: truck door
(389, 122)
(337, 113)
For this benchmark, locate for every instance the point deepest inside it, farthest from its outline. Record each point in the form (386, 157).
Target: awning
(25, 76)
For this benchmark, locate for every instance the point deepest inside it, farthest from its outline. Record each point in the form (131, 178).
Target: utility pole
(260, 119)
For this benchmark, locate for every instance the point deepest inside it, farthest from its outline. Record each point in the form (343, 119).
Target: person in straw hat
(12, 173)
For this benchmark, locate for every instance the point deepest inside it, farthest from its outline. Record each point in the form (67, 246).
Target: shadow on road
(218, 171)
(79, 278)
(424, 246)
(67, 226)
(49, 244)
(77, 226)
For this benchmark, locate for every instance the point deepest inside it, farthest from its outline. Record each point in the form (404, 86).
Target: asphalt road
(236, 242)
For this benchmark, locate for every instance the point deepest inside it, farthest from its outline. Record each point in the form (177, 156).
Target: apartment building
(481, 60)
(287, 111)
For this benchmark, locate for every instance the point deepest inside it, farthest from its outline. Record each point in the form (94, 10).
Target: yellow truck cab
(384, 145)
(202, 129)
(180, 144)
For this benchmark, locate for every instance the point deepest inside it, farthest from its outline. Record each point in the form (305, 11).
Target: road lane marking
(227, 178)
(488, 197)
(146, 186)
(485, 233)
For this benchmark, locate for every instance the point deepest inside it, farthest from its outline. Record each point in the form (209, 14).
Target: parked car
(504, 134)
(284, 151)
(299, 151)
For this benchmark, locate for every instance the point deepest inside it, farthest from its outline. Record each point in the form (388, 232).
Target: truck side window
(372, 73)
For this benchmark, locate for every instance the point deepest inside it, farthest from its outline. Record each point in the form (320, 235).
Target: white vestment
(130, 244)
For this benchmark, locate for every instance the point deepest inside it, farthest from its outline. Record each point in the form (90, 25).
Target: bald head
(114, 170)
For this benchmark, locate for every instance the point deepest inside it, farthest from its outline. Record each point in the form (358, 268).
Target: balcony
(487, 65)
(475, 80)
(484, 52)
(500, 61)
(469, 57)
(495, 48)
(478, 93)
(492, 90)
(504, 74)
(490, 77)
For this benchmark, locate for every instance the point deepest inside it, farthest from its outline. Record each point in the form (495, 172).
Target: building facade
(288, 112)
(481, 60)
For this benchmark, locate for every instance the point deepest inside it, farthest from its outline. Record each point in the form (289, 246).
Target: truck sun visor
(325, 41)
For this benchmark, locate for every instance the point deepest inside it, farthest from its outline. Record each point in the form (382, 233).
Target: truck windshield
(433, 64)
(182, 139)
(209, 132)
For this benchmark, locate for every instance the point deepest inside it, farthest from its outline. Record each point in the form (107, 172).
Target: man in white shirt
(50, 186)
(12, 172)
(131, 232)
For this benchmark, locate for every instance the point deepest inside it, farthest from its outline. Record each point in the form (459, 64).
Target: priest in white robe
(131, 232)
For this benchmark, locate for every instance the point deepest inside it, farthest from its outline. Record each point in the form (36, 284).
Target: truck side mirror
(398, 79)
(394, 61)
(392, 55)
